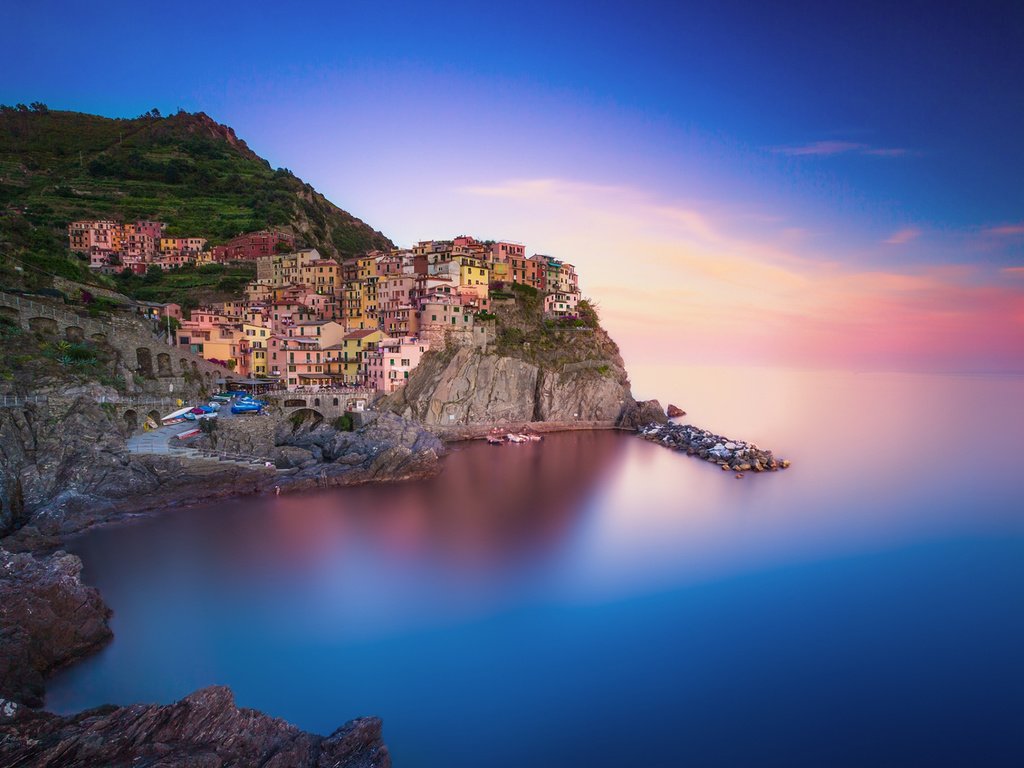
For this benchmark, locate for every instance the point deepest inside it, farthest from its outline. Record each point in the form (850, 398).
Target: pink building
(388, 366)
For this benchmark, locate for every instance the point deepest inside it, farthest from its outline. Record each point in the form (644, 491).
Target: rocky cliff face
(205, 729)
(537, 370)
(48, 618)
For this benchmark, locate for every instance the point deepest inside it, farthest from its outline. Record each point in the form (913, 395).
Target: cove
(598, 600)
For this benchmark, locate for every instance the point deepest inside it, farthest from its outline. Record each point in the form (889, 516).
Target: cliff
(532, 370)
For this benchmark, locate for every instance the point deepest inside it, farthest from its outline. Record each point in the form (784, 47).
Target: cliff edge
(520, 367)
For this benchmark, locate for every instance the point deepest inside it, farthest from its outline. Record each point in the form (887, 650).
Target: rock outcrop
(387, 448)
(472, 386)
(204, 729)
(48, 618)
(674, 411)
(643, 412)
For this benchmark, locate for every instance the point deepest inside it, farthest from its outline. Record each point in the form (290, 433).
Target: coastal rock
(388, 448)
(565, 376)
(674, 411)
(643, 412)
(203, 729)
(48, 618)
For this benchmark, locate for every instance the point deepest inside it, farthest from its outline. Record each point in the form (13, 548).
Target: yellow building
(347, 357)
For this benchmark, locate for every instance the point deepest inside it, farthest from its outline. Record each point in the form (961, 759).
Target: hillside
(185, 169)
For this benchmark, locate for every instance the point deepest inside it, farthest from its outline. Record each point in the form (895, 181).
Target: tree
(153, 274)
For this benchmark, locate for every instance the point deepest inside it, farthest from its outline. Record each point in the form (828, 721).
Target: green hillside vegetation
(184, 169)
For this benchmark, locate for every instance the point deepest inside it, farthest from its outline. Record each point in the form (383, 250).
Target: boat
(177, 416)
(495, 440)
(214, 405)
(188, 433)
(517, 438)
(246, 408)
(222, 397)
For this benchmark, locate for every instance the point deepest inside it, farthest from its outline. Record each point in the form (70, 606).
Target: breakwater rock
(203, 729)
(733, 455)
(48, 618)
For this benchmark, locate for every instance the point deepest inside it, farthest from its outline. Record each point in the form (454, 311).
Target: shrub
(344, 423)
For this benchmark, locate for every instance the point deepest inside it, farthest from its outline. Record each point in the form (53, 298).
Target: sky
(835, 185)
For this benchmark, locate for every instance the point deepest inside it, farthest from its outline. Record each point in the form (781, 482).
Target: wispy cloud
(903, 236)
(682, 280)
(1013, 271)
(827, 148)
(1005, 230)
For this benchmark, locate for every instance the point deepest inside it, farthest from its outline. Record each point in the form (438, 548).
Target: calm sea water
(597, 600)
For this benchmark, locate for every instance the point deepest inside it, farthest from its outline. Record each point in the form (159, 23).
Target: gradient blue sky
(805, 157)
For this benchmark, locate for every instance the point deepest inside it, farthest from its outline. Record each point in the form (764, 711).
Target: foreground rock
(674, 411)
(734, 455)
(48, 619)
(205, 729)
(640, 413)
(387, 448)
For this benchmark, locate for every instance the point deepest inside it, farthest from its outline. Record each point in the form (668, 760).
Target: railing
(14, 401)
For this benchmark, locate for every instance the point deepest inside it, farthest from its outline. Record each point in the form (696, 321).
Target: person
(277, 490)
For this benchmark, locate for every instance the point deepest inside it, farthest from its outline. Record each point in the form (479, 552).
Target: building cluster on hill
(316, 323)
(113, 246)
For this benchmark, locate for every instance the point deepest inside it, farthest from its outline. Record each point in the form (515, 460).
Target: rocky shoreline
(731, 455)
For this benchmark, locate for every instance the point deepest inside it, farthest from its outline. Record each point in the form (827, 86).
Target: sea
(598, 600)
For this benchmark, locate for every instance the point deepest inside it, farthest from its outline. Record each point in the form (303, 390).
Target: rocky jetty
(204, 729)
(48, 619)
(730, 455)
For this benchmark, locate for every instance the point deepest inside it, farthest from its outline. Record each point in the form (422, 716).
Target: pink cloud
(819, 148)
(826, 148)
(1013, 271)
(1006, 230)
(903, 236)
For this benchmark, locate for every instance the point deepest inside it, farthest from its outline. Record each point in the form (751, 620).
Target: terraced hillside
(185, 169)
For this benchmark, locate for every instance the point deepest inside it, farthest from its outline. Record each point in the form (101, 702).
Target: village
(312, 323)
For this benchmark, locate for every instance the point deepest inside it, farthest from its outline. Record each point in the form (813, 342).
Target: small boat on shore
(177, 416)
(495, 440)
(238, 408)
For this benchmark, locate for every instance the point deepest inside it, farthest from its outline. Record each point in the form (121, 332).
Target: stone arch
(131, 421)
(184, 367)
(154, 416)
(306, 417)
(145, 359)
(294, 403)
(163, 364)
(74, 333)
(99, 338)
(46, 325)
(10, 313)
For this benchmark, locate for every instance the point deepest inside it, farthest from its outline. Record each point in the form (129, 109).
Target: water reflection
(536, 595)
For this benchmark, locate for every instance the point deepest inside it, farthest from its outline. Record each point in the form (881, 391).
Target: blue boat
(246, 408)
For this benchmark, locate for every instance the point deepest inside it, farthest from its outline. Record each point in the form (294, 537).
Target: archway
(45, 325)
(163, 364)
(152, 420)
(184, 367)
(305, 418)
(131, 421)
(74, 334)
(99, 338)
(145, 360)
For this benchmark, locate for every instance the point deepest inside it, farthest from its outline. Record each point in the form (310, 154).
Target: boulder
(674, 412)
(203, 729)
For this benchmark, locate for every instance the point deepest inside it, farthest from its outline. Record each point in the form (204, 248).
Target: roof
(362, 333)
